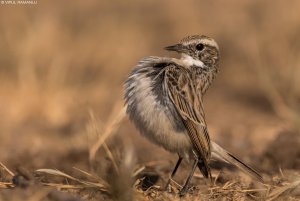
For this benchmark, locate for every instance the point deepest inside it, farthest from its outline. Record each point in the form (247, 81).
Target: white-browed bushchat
(164, 98)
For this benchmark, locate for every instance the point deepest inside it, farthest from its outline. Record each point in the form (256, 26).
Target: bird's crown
(199, 39)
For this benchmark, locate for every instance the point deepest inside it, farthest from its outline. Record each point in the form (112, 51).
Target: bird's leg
(174, 171)
(176, 167)
(187, 182)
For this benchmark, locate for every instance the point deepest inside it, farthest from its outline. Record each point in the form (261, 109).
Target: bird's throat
(190, 61)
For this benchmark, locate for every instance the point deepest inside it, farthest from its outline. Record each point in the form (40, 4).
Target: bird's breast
(153, 113)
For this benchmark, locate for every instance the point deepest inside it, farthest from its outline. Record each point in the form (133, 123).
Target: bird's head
(197, 50)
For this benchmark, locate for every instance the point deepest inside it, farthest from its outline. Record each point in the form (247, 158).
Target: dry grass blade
(6, 169)
(138, 171)
(216, 177)
(6, 185)
(92, 176)
(57, 173)
(65, 186)
(228, 184)
(281, 190)
(94, 129)
(111, 157)
(113, 125)
(86, 184)
(253, 190)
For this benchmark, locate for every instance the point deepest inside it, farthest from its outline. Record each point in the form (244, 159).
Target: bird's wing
(188, 103)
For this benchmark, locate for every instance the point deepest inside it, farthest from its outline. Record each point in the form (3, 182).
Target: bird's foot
(183, 191)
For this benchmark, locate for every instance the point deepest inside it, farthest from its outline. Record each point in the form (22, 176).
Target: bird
(164, 99)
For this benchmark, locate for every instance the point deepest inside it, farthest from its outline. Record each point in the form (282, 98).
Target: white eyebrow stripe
(210, 43)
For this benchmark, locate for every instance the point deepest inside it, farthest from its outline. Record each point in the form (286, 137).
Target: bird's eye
(200, 46)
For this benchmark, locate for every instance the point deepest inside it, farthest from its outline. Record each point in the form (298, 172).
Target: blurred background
(63, 64)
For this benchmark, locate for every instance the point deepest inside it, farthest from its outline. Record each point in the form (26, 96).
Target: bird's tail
(223, 155)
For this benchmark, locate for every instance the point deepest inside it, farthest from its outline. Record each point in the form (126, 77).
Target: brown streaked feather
(188, 103)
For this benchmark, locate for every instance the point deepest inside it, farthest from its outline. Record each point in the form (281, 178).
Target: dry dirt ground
(63, 132)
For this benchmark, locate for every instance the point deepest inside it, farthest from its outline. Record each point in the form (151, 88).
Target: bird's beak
(177, 48)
